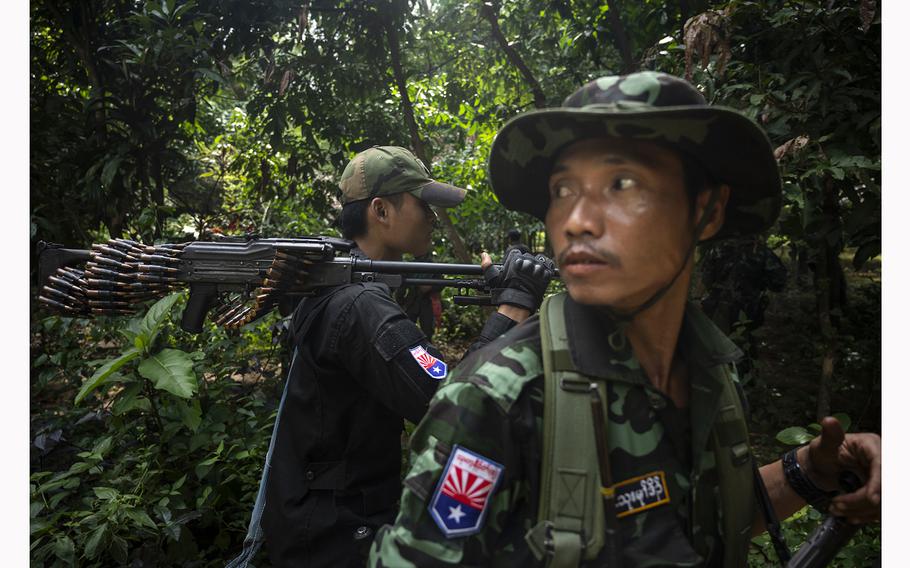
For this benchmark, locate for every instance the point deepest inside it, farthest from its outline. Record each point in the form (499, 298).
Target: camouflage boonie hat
(387, 170)
(648, 106)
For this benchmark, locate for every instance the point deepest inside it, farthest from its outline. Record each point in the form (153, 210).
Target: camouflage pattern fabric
(493, 405)
(653, 107)
(387, 170)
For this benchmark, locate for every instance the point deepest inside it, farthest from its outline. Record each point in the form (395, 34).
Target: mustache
(589, 249)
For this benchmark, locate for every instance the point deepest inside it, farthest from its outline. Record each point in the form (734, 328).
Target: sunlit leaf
(171, 370)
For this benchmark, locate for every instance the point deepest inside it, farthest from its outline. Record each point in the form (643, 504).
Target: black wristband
(802, 485)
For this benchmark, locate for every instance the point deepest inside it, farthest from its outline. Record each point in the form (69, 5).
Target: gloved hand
(521, 281)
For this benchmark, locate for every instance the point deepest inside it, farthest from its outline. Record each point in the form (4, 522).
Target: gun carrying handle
(202, 298)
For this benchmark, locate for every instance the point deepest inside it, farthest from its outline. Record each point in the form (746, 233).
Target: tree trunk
(79, 38)
(823, 296)
(830, 296)
(461, 252)
(492, 15)
(621, 38)
(158, 191)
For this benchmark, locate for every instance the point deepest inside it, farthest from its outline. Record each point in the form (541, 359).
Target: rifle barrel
(473, 284)
(411, 267)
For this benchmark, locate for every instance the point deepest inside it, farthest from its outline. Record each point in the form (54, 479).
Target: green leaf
(56, 499)
(171, 370)
(210, 74)
(95, 540)
(119, 550)
(131, 330)
(129, 399)
(64, 549)
(155, 318)
(865, 252)
(191, 414)
(183, 8)
(110, 170)
(37, 527)
(844, 420)
(141, 518)
(205, 495)
(794, 436)
(102, 446)
(104, 371)
(36, 507)
(179, 483)
(106, 493)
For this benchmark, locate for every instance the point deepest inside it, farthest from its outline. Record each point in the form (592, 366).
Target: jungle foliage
(171, 120)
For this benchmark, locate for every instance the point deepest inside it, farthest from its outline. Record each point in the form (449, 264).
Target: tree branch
(492, 15)
(461, 252)
(621, 38)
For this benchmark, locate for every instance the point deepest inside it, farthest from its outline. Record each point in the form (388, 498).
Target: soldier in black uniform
(738, 274)
(360, 367)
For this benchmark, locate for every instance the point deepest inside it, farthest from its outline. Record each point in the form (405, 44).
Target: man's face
(619, 219)
(411, 226)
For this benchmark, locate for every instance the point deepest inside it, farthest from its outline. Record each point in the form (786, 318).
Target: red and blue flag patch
(462, 498)
(434, 367)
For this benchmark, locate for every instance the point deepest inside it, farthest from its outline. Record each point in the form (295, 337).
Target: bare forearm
(514, 313)
(785, 500)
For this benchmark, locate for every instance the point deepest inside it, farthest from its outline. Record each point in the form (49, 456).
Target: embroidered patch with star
(434, 367)
(461, 500)
(641, 493)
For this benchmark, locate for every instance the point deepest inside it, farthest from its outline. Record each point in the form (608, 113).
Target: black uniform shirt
(335, 468)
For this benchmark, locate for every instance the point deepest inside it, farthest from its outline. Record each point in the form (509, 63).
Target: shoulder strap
(570, 518)
(570, 524)
(730, 443)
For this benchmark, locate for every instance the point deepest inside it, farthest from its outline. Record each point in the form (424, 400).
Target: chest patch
(461, 500)
(641, 493)
(434, 367)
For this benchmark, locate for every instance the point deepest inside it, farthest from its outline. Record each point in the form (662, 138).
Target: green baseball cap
(387, 170)
(648, 106)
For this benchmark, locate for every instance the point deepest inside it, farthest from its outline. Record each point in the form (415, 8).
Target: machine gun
(237, 279)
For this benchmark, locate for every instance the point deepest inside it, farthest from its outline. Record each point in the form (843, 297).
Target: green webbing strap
(733, 459)
(571, 515)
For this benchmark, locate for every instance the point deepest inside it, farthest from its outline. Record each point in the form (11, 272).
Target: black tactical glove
(521, 281)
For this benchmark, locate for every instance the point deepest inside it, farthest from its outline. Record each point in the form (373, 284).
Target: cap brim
(440, 194)
(730, 146)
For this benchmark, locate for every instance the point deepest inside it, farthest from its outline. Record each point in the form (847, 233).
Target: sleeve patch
(434, 367)
(462, 498)
(395, 336)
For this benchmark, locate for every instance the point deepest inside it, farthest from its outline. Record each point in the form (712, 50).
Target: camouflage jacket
(492, 406)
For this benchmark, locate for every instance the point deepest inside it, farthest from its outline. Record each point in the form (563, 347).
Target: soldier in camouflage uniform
(629, 175)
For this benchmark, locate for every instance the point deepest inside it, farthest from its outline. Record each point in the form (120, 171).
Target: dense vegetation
(173, 120)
